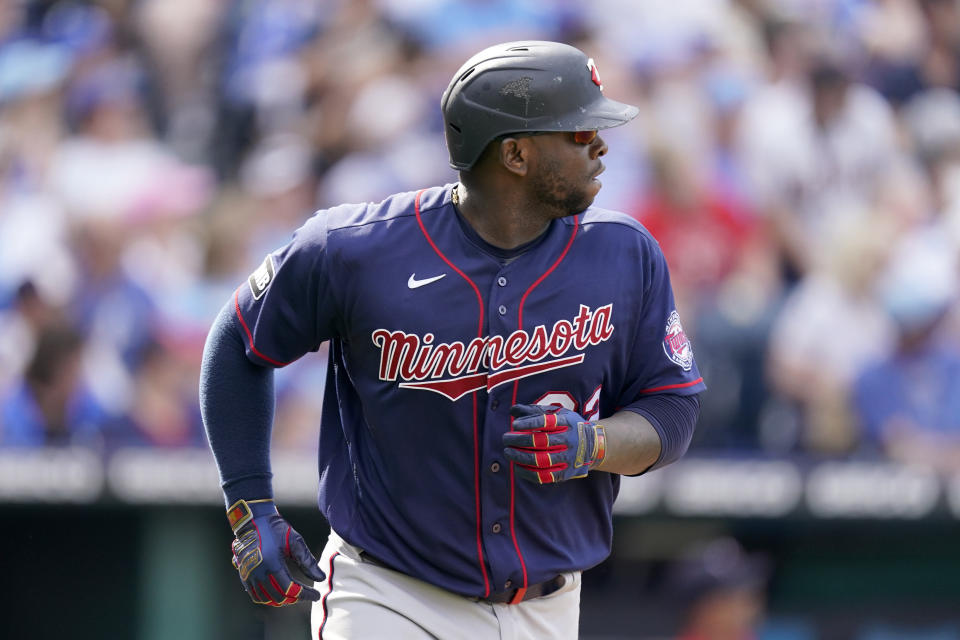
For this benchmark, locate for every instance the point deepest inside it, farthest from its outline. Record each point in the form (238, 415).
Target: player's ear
(515, 155)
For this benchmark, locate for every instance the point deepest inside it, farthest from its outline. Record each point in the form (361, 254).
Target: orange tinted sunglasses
(580, 137)
(585, 137)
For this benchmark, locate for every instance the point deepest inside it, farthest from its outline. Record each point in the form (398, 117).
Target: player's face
(565, 175)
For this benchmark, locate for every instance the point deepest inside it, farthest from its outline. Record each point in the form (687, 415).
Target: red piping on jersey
(323, 600)
(680, 385)
(236, 302)
(416, 208)
(476, 427)
(516, 386)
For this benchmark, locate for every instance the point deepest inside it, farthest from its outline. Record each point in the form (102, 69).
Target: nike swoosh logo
(413, 283)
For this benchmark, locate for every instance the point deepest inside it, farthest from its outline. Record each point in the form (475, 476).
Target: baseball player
(500, 352)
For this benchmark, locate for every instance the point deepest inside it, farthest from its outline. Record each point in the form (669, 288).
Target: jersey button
(502, 281)
(508, 584)
(502, 310)
(496, 527)
(494, 404)
(495, 467)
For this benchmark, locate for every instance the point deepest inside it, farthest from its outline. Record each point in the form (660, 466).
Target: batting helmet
(524, 86)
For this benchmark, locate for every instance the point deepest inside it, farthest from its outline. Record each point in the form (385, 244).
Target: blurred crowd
(798, 161)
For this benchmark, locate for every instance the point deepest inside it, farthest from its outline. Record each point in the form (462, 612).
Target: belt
(514, 596)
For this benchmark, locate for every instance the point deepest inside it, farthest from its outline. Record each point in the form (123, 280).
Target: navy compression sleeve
(236, 401)
(674, 418)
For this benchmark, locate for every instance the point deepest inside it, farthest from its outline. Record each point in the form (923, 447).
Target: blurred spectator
(32, 73)
(705, 235)
(932, 120)
(113, 157)
(909, 402)
(830, 326)
(813, 148)
(51, 407)
(35, 246)
(33, 233)
(118, 315)
(262, 84)
(894, 38)
(162, 252)
(366, 149)
(914, 46)
(722, 591)
(221, 242)
(29, 315)
(278, 181)
(163, 411)
(177, 38)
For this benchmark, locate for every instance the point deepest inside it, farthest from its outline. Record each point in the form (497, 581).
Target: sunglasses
(585, 137)
(580, 137)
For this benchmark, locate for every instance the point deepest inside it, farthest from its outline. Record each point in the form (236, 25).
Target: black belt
(513, 596)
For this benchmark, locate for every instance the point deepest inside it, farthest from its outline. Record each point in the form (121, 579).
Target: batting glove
(549, 444)
(264, 544)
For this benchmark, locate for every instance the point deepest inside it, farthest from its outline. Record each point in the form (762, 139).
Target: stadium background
(799, 161)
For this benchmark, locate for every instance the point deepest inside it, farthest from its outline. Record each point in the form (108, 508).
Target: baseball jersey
(434, 334)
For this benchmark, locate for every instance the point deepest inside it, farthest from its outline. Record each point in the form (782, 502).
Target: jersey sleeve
(661, 358)
(286, 307)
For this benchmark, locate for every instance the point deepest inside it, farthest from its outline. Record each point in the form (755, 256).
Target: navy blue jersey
(434, 335)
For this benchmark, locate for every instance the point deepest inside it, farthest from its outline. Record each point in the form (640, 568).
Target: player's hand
(549, 444)
(264, 544)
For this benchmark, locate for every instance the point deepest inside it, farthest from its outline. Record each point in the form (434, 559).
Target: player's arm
(281, 312)
(237, 399)
(633, 445)
(649, 434)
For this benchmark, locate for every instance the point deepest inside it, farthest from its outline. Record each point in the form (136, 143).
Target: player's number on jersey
(565, 400)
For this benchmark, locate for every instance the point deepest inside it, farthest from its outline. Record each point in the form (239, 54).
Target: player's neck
(501, 219)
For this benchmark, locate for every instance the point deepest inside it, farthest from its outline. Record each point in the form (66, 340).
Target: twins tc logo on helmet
(594, 74)
(676, 344)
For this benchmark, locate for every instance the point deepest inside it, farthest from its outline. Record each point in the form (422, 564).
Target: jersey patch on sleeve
(260, 279)
(676, 344)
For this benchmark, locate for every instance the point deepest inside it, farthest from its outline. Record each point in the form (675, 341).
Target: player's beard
(557, 193)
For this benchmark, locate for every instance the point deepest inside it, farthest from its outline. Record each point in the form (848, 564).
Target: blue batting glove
(549, 444)
(264, 544)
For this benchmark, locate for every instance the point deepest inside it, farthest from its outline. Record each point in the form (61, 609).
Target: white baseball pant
(361, 600)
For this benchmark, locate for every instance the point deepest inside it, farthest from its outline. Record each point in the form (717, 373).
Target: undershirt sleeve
(237, 403)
